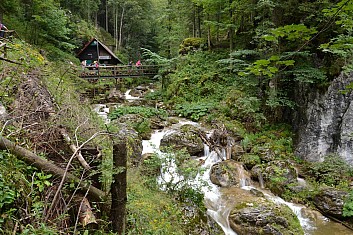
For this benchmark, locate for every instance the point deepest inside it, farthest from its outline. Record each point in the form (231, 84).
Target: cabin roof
(100, 43)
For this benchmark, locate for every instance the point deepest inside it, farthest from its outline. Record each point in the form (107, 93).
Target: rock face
(187, 137)
(330, 201)
(229, 173)
(327, 125)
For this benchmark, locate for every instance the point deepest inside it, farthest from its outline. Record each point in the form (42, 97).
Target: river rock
(325, 125)
(229, 173)
(186, 137)
(136, 93)
(115, 96)
(142, 88)
(158, 123)
(130, 118)
(237, 151)
(330, 201)
(257, 215)
(265, 154)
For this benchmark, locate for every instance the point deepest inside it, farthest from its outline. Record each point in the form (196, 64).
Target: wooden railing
(91, 72)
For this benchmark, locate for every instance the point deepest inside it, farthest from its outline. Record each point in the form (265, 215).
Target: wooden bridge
(93, 73)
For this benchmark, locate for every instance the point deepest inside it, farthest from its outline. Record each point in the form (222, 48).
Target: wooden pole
(118, 189)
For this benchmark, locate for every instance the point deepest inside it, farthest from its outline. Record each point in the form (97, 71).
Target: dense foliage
(234, 62)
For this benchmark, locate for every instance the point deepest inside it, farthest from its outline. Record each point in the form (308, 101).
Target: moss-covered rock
(187, 137)
(330, 201)
(257, 215)
(229, 173)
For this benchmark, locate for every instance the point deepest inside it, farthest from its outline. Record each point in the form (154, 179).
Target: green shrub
(146, 112)
(192, 44)
(348, 206)
(332, 171)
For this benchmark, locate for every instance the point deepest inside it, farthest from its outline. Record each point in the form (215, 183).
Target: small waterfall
(217, 207)
(297, 210)
(102, 110)
(261, 180)
(243, 179)
(129, 97)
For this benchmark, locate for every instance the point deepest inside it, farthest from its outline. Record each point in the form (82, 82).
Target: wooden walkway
(90, 72)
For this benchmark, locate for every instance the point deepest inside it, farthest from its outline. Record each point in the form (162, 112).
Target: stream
(219, 201)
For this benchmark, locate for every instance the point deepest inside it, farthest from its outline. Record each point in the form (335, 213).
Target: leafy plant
(194, 111)
(332, 171)
(143, 111)
(348, 206)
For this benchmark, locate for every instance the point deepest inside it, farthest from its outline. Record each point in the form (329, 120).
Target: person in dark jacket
(2, 30)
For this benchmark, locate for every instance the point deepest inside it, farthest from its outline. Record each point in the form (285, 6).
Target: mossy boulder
(237, 151)
(330, 201)
(186, 137)
(257, 215)
(229, 173)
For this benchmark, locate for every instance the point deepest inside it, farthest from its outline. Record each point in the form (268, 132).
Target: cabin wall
(90, 54)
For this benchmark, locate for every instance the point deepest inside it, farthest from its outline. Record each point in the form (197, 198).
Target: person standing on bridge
(96, 67)
(83, 65)
(2, 30)
(138, 65)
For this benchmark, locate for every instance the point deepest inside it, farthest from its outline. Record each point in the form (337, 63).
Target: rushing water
(219, 203)
(129, 97)
(102, 110)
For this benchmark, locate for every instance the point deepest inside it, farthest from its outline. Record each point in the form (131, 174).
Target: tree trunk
(209, 34)
(199, 11)
(116, 27)
(121, 28)
(86, 215)
(43, 164)
(194, 21)
(118, 189)
(106, 16)
(231, 29)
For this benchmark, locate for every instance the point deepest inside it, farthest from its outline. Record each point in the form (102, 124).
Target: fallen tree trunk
(43, 164)
(86, 215)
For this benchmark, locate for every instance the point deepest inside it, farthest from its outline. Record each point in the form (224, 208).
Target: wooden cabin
(94, 50)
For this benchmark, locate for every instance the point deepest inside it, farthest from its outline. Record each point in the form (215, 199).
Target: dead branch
(67, 174)
(10, 61)
(43, 164)
(74, 149)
